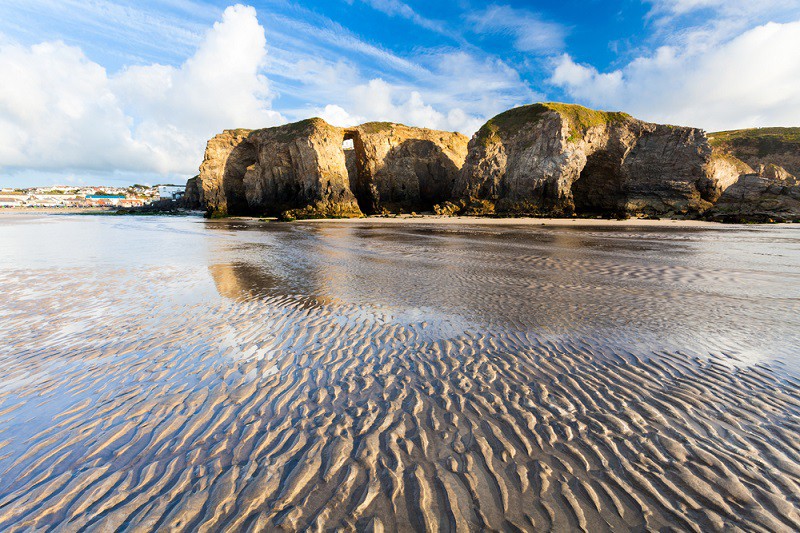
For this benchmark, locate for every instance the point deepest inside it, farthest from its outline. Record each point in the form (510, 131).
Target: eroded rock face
(220, 182)
(398, 168)
(191, 196)
(771, 194)
(761, 146)
(542, 159)
(303, 170)
(300, 168)
(296, 168)
(559, 159)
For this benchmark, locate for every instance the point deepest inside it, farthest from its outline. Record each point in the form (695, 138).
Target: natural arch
(360, 183)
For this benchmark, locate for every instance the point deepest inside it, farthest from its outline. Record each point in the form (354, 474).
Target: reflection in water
(240, 281)
(653, 289)
(180, 374)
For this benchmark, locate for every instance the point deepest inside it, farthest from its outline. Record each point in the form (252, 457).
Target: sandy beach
(377, 375)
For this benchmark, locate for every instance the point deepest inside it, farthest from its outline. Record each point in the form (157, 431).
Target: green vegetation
(376, 127)
(57, 192)
(240, 131)
(765, 141)
(580, 119)
(289, 132)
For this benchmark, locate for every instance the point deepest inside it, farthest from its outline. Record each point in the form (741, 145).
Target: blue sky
(104, 91)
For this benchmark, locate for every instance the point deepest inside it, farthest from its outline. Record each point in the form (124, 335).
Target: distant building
(11, 201)
(104, 199)
(170, 192)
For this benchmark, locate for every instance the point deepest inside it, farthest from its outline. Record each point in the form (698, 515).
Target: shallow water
(176, 373)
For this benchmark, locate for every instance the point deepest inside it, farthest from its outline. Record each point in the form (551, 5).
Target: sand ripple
(128, 409)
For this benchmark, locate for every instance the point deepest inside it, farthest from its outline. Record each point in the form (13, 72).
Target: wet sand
(180, 374)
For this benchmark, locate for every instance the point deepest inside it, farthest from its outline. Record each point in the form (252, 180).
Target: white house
(170, 192)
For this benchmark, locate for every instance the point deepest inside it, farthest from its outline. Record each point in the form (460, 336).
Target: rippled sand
(176, 374)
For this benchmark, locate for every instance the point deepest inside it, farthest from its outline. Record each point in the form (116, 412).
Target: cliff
(560, 159)
(299, 168)
(303, 170)
(761, 146)
(545, 159)
(403, 169)
(769, 195)
(220, 183)
(191, 196)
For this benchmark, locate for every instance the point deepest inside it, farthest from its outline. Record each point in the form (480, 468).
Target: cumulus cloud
(60, 110)
(750, 80)
(458, 92)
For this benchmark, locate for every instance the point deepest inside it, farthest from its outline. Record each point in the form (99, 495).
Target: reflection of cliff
(240, 281)
(243, 281)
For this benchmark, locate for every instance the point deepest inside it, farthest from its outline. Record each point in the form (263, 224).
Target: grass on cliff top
(376, 127)
(580, 120)
(290, 131)
(755, 136)
(240, 131)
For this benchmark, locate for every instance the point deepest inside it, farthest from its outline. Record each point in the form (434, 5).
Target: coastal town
(64, 196)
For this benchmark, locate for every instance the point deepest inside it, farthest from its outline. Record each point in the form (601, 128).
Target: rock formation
(560, 159)
(303, 170)
(220, 181)
(191, 198)
(761, 146)
(398, 168)
(300, 169)
(296, 167)
(771, 194)
(543, 159)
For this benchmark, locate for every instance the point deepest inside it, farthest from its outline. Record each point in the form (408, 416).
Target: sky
(111, 92)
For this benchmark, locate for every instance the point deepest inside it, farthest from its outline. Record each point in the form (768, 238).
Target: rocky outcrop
(761, 146)
(543, 159)
(296, 169)
(191, 196)
(303, 170)
(299, 168)
(402, 169)
(221, 178)
(770, 195)
(561, 159)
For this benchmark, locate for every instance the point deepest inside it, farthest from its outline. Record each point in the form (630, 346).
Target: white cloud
(725, 7)
(530, 32)
(63, 112)
(750, 80)
(60, 110)
(458, 92)
(397, 8)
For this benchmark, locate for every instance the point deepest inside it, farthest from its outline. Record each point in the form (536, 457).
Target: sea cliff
(545, 159)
